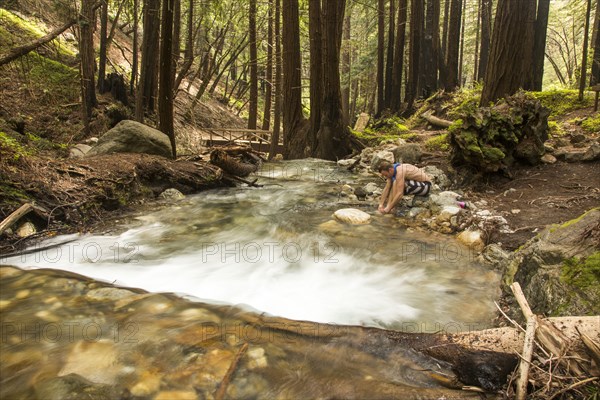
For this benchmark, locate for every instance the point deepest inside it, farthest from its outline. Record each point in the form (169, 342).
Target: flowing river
(277, 250)
(285, 302)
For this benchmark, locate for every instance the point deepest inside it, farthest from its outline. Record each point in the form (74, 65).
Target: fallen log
(429, 117)
(15, 216)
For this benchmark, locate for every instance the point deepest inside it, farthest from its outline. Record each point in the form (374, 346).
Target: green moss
(11, 146)
(562, 101)
(438, 143)
(372, 137)
(583, 273)
(465, 102)
(409, 136)
(30, 29)
(492, 153)
(576, 220)
(592, 124)
(56, 80)
(556, 129)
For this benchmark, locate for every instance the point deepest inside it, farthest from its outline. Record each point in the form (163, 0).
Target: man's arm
(384, 194)
(399, 189)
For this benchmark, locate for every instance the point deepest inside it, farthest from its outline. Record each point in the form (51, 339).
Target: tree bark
(333, 134)
(510, 53)
(462, 46)
(253, 106)
(134, 62)
(430, 52)
(165, 93)
(416, 34)
(595, 78)
(86, 51)
(586, 35)
(278, 82)
(145, 100)
(389, 62)
(396, 100)
(23, 50)
(380, 56)
(452, 56)
(539, 45)
(346, 68)
(294, 123)
(316, 68)
(103, 40)
(188, 57)
(269, 73)
(486, 31)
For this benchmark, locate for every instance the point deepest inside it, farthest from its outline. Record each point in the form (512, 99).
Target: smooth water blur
(276, 249)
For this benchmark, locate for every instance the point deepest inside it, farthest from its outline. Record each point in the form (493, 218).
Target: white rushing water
(273, 250)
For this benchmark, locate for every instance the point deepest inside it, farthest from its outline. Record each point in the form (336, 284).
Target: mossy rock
(489, 139)
(559, 270)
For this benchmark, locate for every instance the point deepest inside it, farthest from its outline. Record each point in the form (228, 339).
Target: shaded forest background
(303, 70)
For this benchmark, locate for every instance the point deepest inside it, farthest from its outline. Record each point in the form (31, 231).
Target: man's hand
(381, 209)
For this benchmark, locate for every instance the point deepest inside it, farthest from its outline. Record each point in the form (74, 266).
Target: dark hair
(384, 165)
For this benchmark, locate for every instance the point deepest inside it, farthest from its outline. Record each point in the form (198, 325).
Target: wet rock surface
(163, 347)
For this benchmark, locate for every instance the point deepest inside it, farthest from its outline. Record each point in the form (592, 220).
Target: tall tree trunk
(446, 23)
(595, 78)
(430, 51)
(165, 92)
(539, 43)
(103, 38)
(176, 38)
(510, 51)
(134, 62)
(586, 36)
(452, 55)
(269, 73)
(486, 31)
(86, 51)
(346, 69)
(462, 45)
(253, 106)
(396, 100)
(477, 31)
(333, 134)
(380, 56)
(416, 34)
(188, 57)
(316, 68)
(146, 93)
(294, 123)
(278, 82)
(389, 63)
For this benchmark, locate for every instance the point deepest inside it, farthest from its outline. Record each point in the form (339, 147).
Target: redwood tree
(316, 68)
(539, 44)
(86, 51)
(510, 51)
(333, 134)
(294, 123)
(452, 55)
(380, 56)
(396, 83)
(253, 105)
(165, 92)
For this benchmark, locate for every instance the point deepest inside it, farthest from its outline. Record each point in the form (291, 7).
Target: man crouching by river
(402, 179)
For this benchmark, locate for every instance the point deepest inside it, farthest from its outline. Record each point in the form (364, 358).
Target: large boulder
(408, 154)
(132, 137)
(559, 269)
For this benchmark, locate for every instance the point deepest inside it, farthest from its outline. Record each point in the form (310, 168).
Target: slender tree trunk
(346, 68)
(316, 68)
(595, 78)
(462, 45)
(477, 31)
(103, 38)
(539, 45)
(389, 63)
(586, 35)
(253, 106)
(146, 93)
(134, 62)
(86, 51)
(486, 31)
(269, 73)
(380, 56)
(278, 82)
(429, 70)
(416, 34)
(165, 93)
(189, 49)
(396, 100)
(446, 23)
(333, 134)
(294, 123)
(452, 55)
(176, 38)
(510, 51)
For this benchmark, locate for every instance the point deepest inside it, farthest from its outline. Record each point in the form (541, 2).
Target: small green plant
(12, 147)
(592, 124)
(562, 101)
(438, 143)
(555, 129)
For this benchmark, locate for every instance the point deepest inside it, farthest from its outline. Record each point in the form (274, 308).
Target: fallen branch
(220, 393)
(23, 50)
(15, 216)
(443, 123)
(528, 345)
